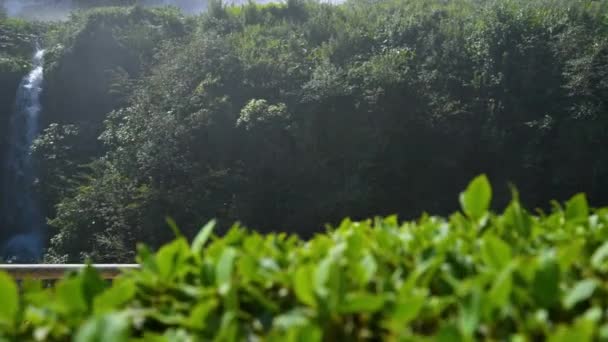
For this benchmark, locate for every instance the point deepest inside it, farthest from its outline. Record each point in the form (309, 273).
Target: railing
(56, 271)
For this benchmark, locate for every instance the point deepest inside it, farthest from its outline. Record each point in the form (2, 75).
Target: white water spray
(19, 203)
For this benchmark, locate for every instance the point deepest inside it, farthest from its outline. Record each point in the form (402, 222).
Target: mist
(60, 9)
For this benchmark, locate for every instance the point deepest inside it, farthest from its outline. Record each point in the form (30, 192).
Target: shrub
(476, 275)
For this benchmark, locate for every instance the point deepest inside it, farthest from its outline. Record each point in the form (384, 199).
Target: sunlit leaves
(475, 200)
(171, 256)
(581, 331)
(599, 259)
(110, 327)
(580, 292)
(361, 303)
(224, 270)
(502, 287)
(70, 297)
(200, 314)
(115, 297)
(303, 285)
(495, 252)
(407, 307)
(201, 238)
(9, 301)
(577, 208)
(517, 218)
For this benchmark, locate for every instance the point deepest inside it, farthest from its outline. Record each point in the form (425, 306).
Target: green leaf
(303, 285)
(173, 225)
(517, 218)
(9, 299)
(290, 319)
(116, 296)
(603, 332)
(70, 297)
(111, 327)
(224, 269)
(580, 292)
(321, 277)
(92, 284)
(501, 288)
(449, 333)
(31, 286)
(599, 257)
(146, 258)
(260, 298)
(228, 329)
(475, 200)
(201, 238)
(361, 302)
(171, 335)
(407, 307)
(328, 279)
(545, 287)
(570, 253)
(593, 314)
(309, 333)
(495, 252)
(470, 313)
(200, 313)
(581, 331)
(34, 293)
(171, 256)
(369, 266)
(577, 208)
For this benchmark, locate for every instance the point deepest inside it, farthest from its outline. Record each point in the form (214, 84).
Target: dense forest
(292, 115)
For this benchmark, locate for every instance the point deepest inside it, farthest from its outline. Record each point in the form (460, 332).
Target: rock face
(9, 83)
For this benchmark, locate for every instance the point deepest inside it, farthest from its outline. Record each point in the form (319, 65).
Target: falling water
(19, 203)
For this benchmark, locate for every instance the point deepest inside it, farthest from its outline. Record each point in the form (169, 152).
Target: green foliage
(10, 298)
(431, 279)
(290, 115)
(54, 152)
(257, 113)
(475, 201)
(16, 44)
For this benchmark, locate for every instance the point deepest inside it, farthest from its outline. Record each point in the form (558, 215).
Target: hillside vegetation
(476, 275)
(289, 116)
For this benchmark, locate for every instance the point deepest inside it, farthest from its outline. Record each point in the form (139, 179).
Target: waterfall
(19, 203)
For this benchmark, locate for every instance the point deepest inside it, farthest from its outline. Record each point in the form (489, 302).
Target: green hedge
(476, 275)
